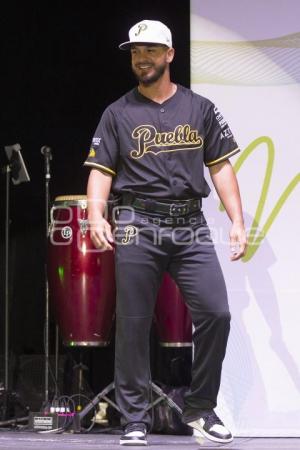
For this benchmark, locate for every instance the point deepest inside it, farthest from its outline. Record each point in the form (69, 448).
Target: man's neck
(159, 92)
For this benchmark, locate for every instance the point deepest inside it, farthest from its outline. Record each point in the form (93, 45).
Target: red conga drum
(81, 278)
(172, 318)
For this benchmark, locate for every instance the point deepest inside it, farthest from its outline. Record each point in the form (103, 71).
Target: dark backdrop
(60, 68)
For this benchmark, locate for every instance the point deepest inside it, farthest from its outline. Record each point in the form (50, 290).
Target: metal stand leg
(162, 396)
(93, 403)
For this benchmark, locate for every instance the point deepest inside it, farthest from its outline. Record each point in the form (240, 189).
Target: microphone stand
(6, 357)
(46, 151)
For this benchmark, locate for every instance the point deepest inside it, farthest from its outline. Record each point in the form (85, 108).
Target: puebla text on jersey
(158, 150)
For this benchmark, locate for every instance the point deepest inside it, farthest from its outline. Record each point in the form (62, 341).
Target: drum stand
(162, 396)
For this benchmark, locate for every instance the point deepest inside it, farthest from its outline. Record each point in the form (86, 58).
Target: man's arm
(98, 189)
(225, 182)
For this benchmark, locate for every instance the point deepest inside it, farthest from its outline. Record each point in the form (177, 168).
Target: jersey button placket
(164, 128)
(162, 119)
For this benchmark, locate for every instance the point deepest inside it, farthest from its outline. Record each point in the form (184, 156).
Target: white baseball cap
(148, 32)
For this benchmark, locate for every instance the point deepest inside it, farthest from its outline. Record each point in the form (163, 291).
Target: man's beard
(147, 80)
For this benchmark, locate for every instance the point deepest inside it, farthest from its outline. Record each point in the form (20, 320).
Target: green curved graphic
(256, 234)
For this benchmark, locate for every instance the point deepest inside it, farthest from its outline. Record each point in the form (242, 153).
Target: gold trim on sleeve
(99, 167)
(233, 152)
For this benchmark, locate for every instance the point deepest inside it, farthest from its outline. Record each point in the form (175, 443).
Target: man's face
(149, 62)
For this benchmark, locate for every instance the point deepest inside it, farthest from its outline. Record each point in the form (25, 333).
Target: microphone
(47, 152)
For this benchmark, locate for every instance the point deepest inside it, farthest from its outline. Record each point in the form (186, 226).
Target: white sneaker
(211, 427)
(134, 434)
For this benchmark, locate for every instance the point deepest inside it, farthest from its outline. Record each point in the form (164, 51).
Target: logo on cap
(142, 27)
(150, 32)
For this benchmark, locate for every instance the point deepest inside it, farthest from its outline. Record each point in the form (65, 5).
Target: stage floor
(96, 441)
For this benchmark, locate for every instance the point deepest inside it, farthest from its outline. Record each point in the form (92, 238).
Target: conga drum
(81, 278)
(172, 318)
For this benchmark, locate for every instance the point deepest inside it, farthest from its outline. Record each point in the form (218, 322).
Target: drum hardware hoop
(175, 344)
(86, 343)
(70, 197)
(72, 202)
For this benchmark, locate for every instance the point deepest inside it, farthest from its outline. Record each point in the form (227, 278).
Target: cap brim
(128, 44)
(125, 45)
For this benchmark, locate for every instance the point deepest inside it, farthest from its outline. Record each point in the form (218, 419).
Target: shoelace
(211, 419)
(135, 427)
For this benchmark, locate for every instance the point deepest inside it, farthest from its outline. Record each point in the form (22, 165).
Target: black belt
(174, 209)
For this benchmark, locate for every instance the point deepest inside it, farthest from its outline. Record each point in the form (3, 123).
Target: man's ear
(170, 54)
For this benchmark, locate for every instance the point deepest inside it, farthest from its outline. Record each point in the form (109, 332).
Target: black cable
(66, 403)
(94, 408)
(68, 409)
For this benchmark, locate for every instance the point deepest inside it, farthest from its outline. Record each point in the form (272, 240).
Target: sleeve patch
(96, 141)
(225, 130)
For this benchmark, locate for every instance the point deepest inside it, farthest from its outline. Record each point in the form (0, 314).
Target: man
(150, 148)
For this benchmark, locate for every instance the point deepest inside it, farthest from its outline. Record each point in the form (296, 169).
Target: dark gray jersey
(159, 150)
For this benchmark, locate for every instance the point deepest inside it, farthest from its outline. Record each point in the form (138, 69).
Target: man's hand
(238, 241)
(101, 234)
(225, 182)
